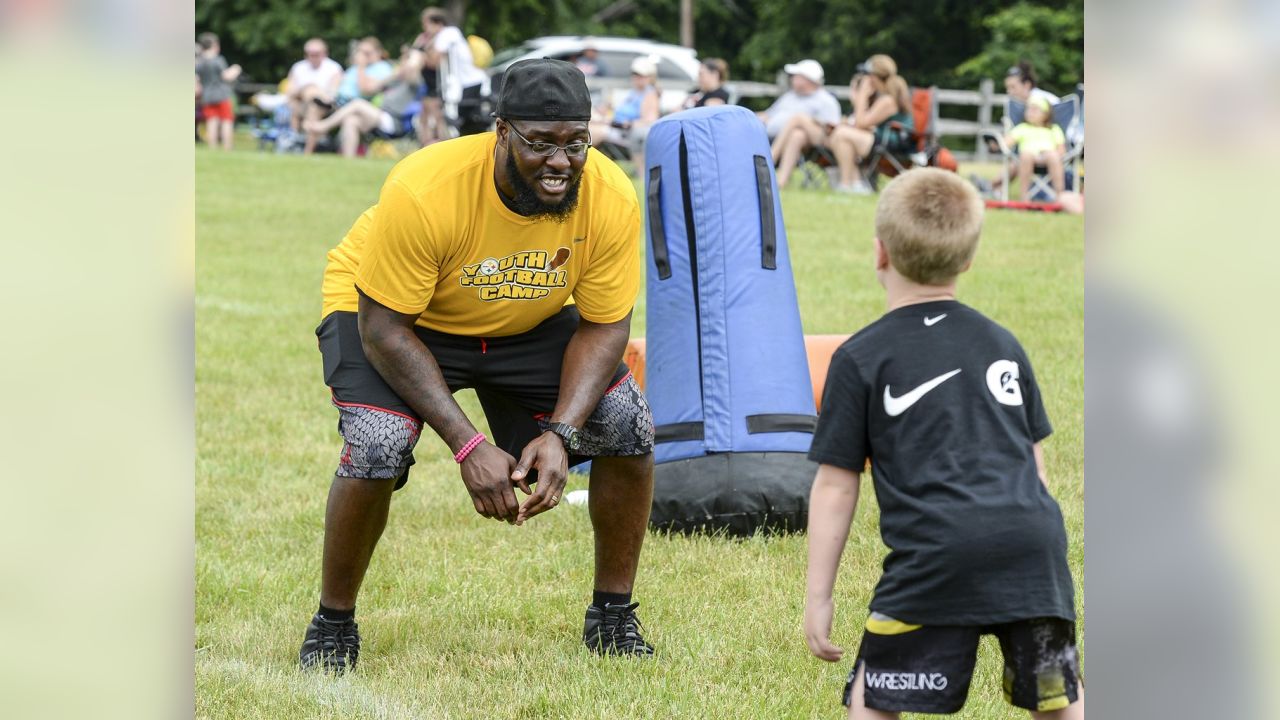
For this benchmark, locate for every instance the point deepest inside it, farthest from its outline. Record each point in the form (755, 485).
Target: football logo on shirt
(527, 275)
(1002, 381)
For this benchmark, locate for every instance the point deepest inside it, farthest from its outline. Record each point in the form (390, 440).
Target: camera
(864, 68)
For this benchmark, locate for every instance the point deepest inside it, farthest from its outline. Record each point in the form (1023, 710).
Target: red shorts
(220, 110)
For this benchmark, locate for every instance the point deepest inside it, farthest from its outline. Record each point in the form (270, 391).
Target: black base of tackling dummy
(738, 493)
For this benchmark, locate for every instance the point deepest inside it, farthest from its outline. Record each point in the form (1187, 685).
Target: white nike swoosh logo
(895, 406)
(929, 321)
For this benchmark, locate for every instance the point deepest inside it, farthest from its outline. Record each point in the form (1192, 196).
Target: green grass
(467, 618)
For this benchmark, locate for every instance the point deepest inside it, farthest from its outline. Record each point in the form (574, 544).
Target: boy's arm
(831, 506)
(1038, 449)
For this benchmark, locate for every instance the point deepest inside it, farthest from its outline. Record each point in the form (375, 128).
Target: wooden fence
(984, 98)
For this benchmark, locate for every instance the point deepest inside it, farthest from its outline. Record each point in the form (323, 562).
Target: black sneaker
(614, 630)
(333, 646)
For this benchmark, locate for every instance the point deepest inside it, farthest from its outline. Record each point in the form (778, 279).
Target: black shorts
(910, 668)
(516, 378)
(430, 82)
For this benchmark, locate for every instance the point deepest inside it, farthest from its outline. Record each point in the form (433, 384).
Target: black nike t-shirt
(944, 403)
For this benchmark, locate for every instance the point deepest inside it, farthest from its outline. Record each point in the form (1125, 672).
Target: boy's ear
(882, 255)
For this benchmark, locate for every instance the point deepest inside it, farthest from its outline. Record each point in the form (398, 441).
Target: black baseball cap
(544, 89)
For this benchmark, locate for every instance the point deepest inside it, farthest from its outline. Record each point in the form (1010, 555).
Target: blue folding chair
(1067, 115)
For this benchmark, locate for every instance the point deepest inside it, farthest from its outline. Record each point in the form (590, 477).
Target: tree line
(948, 43)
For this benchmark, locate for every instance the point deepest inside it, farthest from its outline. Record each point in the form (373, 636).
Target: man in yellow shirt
(507, 262)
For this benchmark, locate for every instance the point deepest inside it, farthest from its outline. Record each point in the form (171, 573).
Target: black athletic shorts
(516, 378)
(927, 669)
(430, 82)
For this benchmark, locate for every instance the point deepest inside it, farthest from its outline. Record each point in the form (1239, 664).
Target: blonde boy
(943, 403)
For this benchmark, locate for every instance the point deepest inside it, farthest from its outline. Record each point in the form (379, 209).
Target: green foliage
(934, 41)
(1052, 40)
(266, 36)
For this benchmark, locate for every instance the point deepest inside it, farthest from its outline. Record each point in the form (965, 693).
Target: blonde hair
(883, 67)
(929, 221)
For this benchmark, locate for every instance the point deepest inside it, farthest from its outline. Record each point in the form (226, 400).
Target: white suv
(677, 66)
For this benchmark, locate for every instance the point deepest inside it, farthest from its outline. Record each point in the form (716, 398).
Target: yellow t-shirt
(1033, 139)
(440, 244)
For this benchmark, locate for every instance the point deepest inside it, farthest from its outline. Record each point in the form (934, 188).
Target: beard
(527, 203)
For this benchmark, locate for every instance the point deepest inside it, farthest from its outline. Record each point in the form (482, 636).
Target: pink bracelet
(466, 449)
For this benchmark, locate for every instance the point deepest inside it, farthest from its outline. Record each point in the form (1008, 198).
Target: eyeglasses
(575, 149)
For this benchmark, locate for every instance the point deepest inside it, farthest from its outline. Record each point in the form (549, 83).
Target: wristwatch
(567, 433)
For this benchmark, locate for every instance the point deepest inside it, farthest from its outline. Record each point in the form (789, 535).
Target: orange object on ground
(818, 348)
(633, 356)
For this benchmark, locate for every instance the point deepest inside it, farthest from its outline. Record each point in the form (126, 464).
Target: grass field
(463, 617)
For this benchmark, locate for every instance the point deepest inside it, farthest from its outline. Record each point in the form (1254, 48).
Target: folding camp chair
(817, 167)
(401, 141)
(1066, 114)
(887, 161)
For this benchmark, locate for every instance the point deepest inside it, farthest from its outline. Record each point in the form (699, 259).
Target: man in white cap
(806, 96)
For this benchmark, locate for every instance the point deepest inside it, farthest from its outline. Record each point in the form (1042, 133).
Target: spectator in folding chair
(800, 118)
(881, 117)
(713, 73)
(368, 75)
(391, 118)
(1061, 124)
(1040, 142)
(640, 108)
(1021, 84)
(312, 86)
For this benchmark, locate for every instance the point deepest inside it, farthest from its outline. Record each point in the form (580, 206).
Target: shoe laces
(339, 637)
(623, 626)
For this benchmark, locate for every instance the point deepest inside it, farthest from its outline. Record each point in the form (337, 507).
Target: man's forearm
(591, 357)
(411, 370)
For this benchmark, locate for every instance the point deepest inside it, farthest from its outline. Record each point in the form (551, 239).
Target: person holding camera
(881, 114)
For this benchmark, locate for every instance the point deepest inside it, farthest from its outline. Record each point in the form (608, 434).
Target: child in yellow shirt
(1039, 142)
